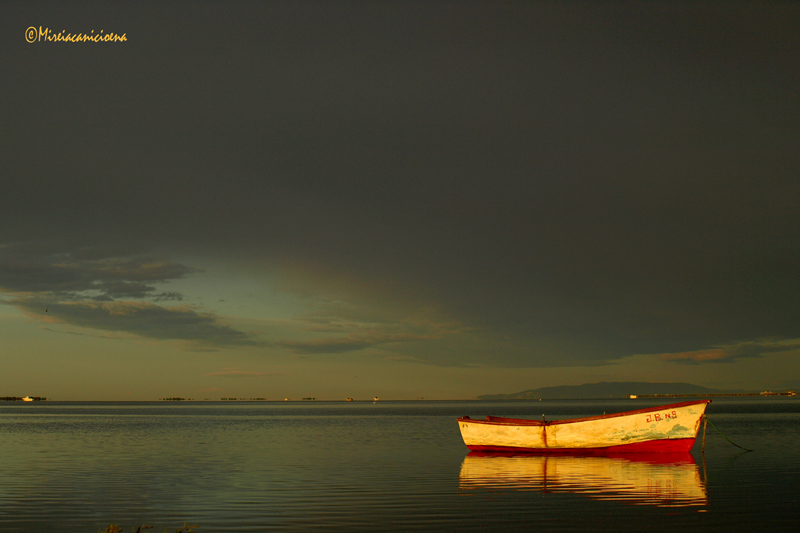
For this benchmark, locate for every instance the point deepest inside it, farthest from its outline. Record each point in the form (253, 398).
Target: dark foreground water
(387, 466)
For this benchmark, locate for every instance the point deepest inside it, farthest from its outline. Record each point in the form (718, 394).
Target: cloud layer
(239, 373)
(108, 294)
(728, 354)
(569, 183)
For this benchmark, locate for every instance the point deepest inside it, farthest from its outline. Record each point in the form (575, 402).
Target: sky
(397, 199)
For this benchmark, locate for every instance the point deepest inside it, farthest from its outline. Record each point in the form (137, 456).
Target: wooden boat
(666, 428)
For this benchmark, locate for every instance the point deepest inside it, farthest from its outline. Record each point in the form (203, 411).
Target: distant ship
(27, 399)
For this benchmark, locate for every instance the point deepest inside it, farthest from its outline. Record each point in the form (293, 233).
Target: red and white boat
(666, 428)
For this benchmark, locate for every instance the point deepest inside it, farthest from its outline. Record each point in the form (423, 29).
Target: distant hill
(617, 389)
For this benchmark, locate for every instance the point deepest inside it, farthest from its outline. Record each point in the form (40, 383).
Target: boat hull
(663, 429)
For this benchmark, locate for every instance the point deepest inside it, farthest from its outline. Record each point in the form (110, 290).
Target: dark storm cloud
(728, 354)
(67, 274)
(586, 181)
(61, 288)
(201, 331)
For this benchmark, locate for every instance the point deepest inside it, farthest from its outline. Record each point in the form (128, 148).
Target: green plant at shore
(113, 528)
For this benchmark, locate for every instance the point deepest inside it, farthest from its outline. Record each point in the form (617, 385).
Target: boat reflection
(664, 480)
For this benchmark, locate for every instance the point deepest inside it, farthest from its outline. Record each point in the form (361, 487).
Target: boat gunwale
(504, 421)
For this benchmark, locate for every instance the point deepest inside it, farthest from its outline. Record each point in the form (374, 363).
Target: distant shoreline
(20, 398)
(521, 400)
(632, 389)
(716, 394)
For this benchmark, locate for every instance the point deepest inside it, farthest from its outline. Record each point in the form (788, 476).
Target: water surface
(363, 466)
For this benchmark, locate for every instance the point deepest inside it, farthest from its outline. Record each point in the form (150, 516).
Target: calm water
(358, 466)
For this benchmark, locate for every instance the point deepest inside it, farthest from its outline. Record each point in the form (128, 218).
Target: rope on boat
(721, 433)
